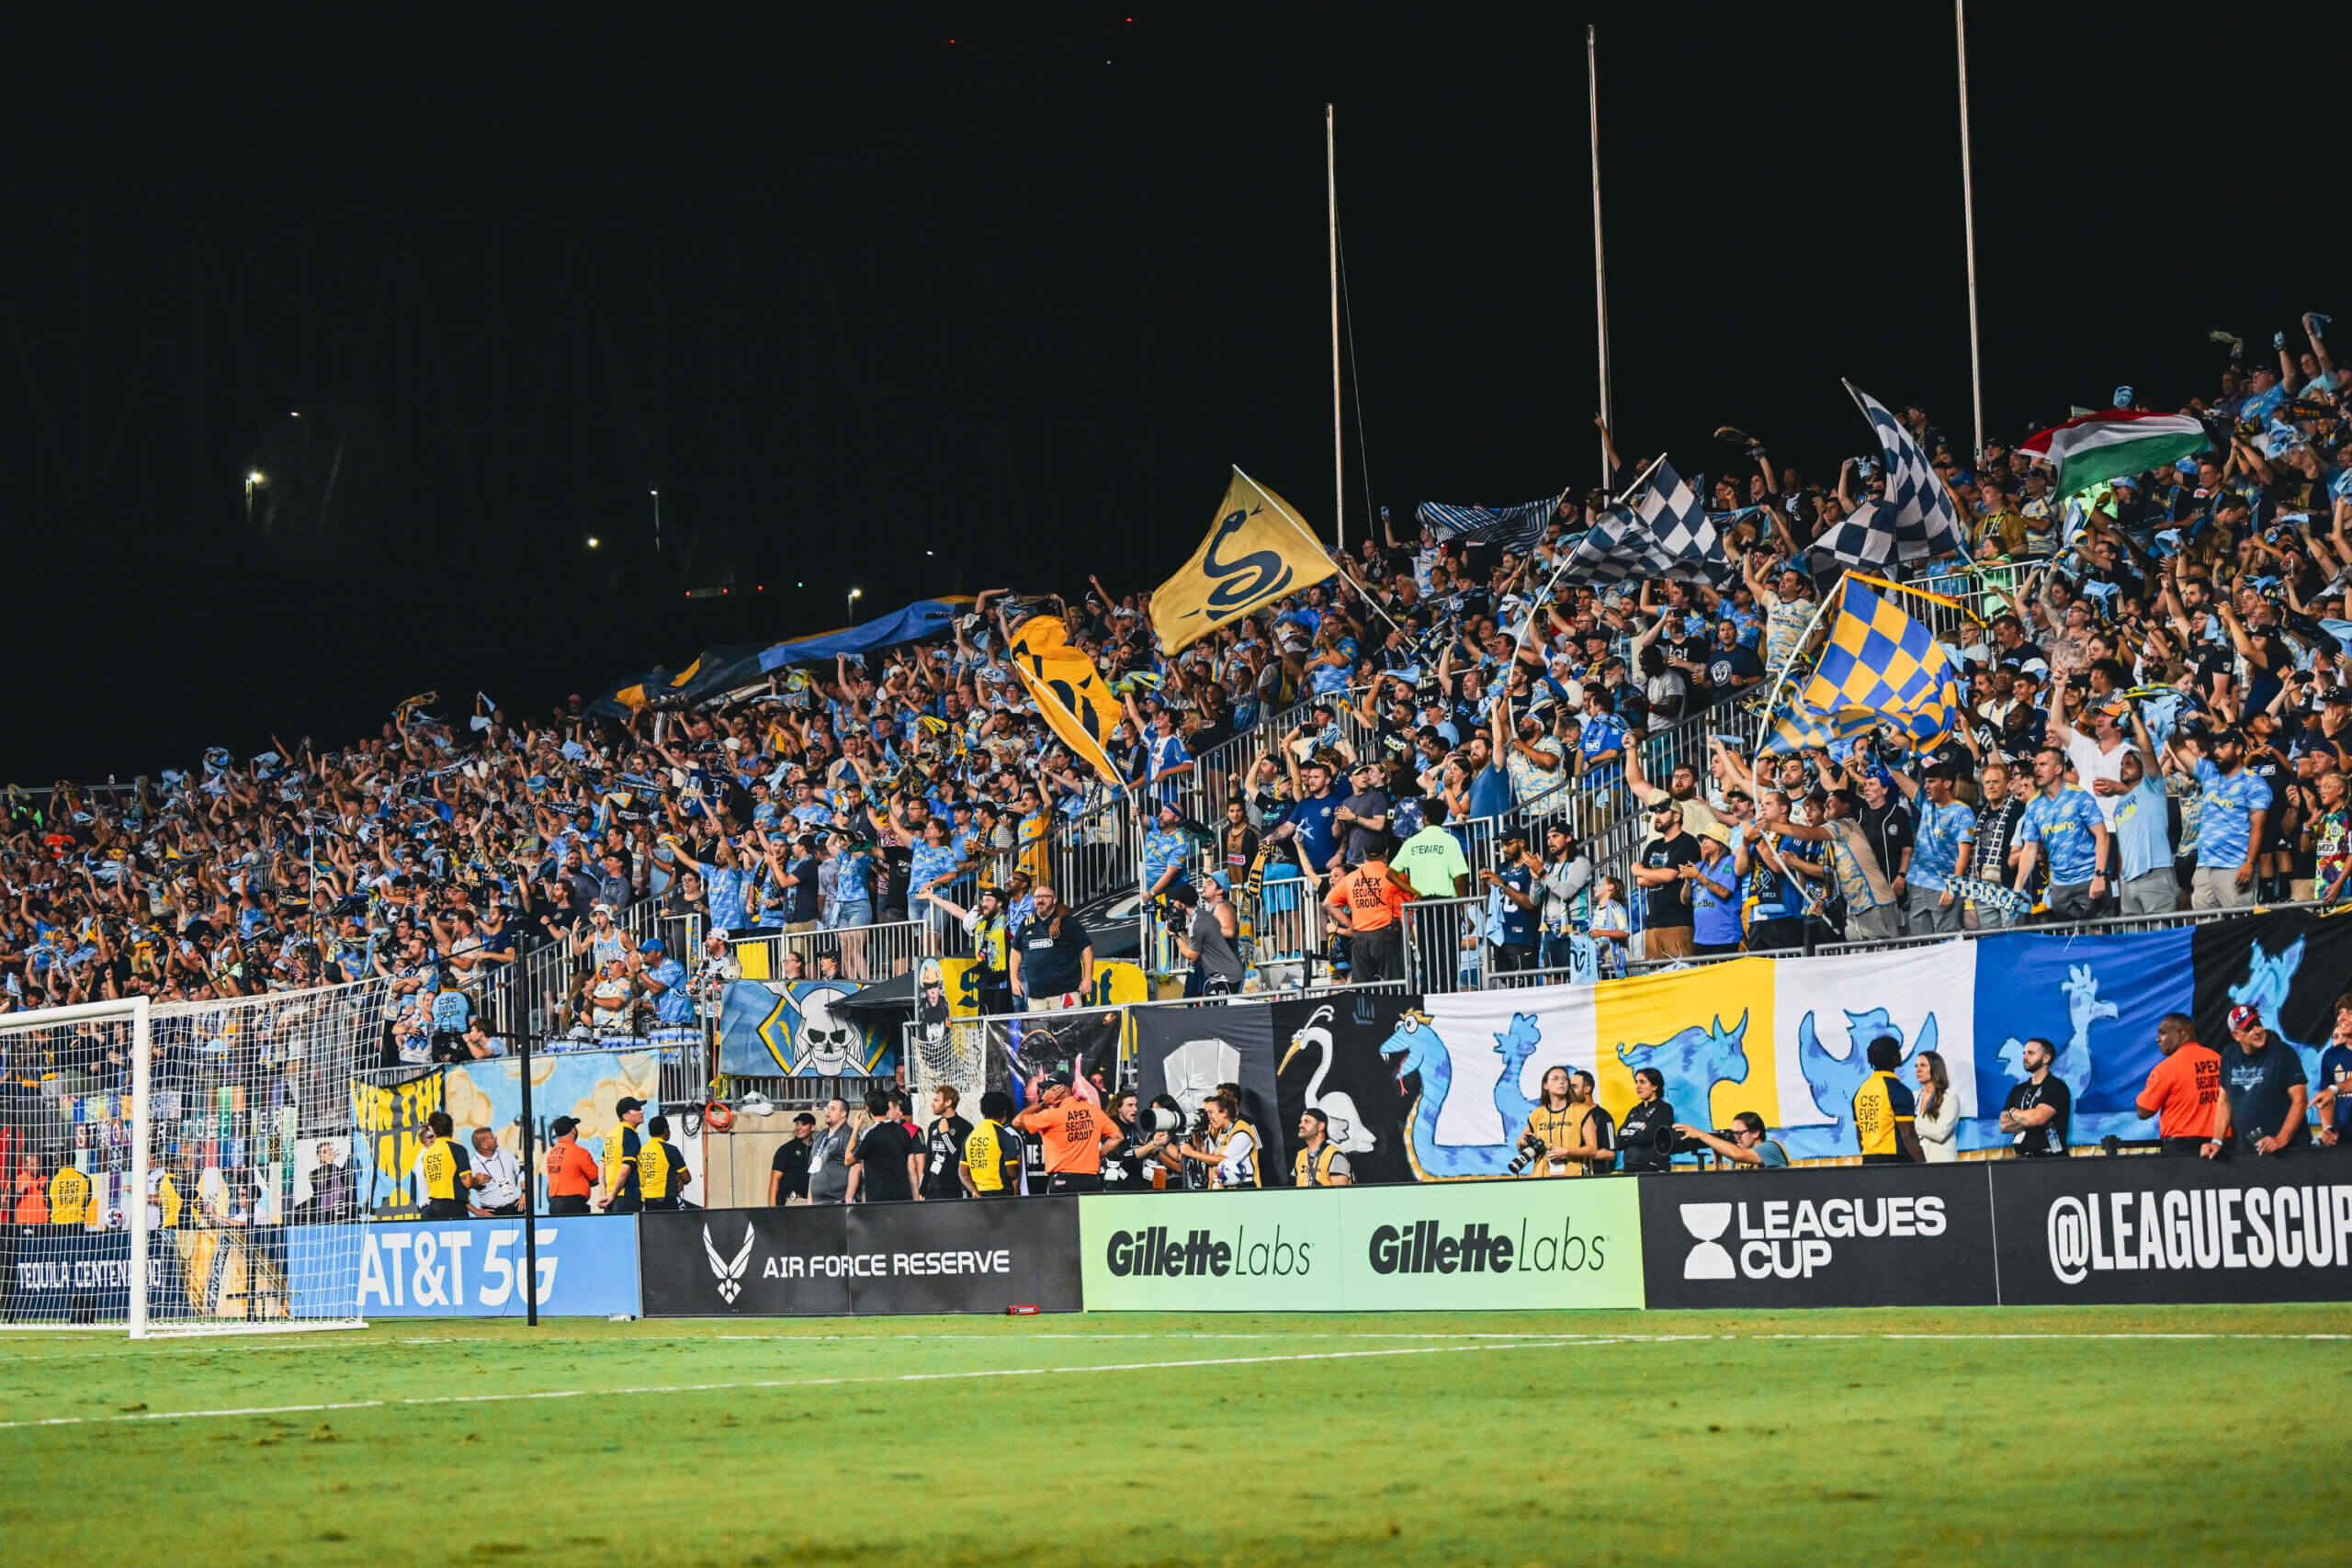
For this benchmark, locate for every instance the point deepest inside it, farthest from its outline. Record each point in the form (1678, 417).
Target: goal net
(185, 1167)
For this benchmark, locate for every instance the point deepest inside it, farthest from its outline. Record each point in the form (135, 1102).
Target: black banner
(1841, 1235)
(868, 1261)
(1187, 1051)
(2151, 1229)
(1330, 1059)
(65, 1274)
(2290, 967)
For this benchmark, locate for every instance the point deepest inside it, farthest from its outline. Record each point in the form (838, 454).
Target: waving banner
(1258, 551)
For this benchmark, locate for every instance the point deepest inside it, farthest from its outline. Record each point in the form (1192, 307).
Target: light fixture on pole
(656, 494)
(254, 479)
(854, 595)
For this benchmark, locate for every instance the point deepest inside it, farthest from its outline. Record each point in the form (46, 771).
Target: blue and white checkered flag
(1917, 508)
(1865, 537)
(1617, 548)
(1680, 529)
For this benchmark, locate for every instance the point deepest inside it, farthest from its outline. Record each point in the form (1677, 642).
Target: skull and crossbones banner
(799, 1028)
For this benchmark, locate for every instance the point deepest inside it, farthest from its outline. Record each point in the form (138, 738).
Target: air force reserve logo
(730, 1274)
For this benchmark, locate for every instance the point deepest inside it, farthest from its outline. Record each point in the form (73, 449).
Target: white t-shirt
(2091, 764)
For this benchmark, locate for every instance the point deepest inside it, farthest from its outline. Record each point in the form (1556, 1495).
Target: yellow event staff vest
(657, 1169)
(69, 1197)
(982, 1153)
(438, 1166)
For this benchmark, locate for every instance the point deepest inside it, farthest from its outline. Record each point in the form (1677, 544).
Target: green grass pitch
(2124, 1436)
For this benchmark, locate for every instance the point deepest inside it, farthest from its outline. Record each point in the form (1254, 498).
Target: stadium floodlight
(189, 1167)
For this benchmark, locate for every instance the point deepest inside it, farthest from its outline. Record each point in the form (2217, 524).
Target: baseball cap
(1060, 1076)
(626, 1104)
(2243, 1016)
(563, 1124)
(650, 944)
(718, 933)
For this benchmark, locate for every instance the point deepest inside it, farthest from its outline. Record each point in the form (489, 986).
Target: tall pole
(1968, 214)
(1600, 261)
(1331, 187)
(530, 1181)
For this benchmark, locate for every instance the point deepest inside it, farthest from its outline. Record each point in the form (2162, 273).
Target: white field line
(1480, 1342)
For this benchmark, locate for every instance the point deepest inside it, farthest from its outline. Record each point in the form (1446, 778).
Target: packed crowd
(2161, 715)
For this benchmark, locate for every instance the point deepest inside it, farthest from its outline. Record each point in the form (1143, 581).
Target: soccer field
(2159, 1434)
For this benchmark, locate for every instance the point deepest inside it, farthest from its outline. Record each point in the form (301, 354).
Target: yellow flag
(1258, 551)
(1067, 690)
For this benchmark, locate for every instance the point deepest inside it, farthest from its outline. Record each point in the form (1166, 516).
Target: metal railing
(867, 955)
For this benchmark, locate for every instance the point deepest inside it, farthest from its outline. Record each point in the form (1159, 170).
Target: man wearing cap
(1944, 840)
(1367, 906)
(788, 1172)
(663, 979)
(1360, 822)
(621, 1145)
(1076, 1133)
(571, 1170)
(2264, 1088)
(2233, 806)
(1714, 894)
(1166, 848)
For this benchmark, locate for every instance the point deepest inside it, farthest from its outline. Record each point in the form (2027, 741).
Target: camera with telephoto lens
(1694, 1146)
(1531, 1147)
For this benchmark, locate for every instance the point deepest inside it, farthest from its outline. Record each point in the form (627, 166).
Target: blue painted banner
(799, 1028)
(467, 1268)
(2097, 999)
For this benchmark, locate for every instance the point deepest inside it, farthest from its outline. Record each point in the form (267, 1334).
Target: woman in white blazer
(1937, 1118)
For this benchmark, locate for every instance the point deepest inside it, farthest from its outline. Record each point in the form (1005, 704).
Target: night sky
(951, 296)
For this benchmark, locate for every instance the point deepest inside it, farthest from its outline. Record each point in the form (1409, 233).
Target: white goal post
(185, 1167)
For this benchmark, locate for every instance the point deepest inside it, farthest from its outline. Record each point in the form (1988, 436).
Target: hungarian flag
(2114, 442)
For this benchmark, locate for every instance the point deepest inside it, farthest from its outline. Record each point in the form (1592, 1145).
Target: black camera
(1694, 1146)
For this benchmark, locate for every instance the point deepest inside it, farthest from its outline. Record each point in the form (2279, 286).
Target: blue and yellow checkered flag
(1880, 666)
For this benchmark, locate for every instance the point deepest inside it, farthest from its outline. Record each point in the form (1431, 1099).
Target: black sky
(947, 297)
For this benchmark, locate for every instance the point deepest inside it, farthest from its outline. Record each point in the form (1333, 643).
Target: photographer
(1320, 1162)
(1567, 1133)
(1645, 1139)
(1747, 1146)
(1229, 1149)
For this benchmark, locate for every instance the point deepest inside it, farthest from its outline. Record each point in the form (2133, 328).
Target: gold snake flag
(1259, 550)
(1067, 690)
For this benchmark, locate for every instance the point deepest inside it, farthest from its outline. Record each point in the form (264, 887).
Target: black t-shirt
(801, 898)
(1666, 905)
(946, 1140)
(1048, 966)
(2256, 1083)
(897, 862)
(884, 1152)
(791, 1162)
(2276, 774)
(1888, 828)
(2051, 1137)
(1727, 665)
(1637, 1135)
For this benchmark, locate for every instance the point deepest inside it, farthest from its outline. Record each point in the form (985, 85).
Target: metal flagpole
(1968, 216)
(1331, 187)
(1599, 263)
(1787, 665)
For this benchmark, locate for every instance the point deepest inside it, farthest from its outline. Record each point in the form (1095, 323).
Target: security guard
(991, 1164)
(660, 1172)
(1320, 1162)
(442, 1171)
(1884, 1109)
(69, 1197)
(622, 1146)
